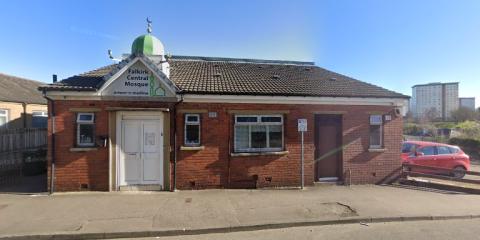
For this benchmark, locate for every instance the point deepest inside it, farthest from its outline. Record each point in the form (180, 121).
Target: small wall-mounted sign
(149, 139)
(212, 114)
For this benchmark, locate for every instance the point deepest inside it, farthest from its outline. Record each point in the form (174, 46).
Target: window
(39, 119)
(192, 129)
(427, 151)
(258, 133)
(3, 118)
(454, 149)
(408, 147)
(443, 150)
(85, 129)
(376, 131)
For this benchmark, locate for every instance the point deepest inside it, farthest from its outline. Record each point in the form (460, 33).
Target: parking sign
(302, 125)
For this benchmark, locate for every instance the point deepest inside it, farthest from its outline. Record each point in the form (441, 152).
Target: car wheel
(459, 172)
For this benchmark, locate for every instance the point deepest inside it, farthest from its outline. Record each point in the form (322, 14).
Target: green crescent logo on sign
(155, 88)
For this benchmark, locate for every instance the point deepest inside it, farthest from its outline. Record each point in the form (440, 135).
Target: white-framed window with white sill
(376, 131)
(258, 133)
(39, 119)
(192, 130)
(85, 129)
(4, 118)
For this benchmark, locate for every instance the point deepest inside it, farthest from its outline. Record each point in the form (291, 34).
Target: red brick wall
(213, 167)
(360, 165)
(91, 167)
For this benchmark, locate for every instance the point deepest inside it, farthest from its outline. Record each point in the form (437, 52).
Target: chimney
(54, 77)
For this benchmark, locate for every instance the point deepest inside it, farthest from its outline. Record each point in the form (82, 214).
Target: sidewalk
(140, 212)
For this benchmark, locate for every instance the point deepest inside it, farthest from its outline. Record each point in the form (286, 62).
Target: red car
(436, 155)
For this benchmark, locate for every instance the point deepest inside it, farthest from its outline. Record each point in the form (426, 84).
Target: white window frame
(258, 123)
(373, 122)
(186, 123)
(80, 122)
(42, 113)
(7, 117)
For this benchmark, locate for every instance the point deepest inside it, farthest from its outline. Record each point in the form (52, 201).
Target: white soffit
(294, 100)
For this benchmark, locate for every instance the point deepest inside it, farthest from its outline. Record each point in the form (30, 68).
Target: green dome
(147, 45)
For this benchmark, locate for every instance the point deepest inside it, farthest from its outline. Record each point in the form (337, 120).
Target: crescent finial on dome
(149, 25)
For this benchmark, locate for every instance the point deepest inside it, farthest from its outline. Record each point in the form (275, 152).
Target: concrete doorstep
(92, 215)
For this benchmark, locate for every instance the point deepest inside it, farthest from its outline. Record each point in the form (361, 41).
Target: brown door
(328, 150)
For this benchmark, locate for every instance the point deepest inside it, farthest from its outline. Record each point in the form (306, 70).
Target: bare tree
(409, 117)
(463, 114)
(429, 116)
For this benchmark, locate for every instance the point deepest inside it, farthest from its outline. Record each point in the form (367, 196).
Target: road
(475, 167)
(439, 230)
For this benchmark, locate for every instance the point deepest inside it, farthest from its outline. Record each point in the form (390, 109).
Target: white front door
(141, 151)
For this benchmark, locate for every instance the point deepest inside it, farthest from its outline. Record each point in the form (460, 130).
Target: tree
(429, 116)
(463, 114)
(409, 117)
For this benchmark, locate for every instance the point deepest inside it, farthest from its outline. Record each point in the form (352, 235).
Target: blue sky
(394, 44)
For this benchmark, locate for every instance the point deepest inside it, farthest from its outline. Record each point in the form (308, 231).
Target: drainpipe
(24, 105)
(52, 168)
(52, 115)
(175, 143)
(229, 150)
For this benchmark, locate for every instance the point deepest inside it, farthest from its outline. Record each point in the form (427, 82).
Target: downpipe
(52, 167)
(175, 144)
(52, 116)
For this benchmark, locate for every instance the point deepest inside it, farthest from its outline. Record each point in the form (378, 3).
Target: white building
(439, 99)
(467, 102)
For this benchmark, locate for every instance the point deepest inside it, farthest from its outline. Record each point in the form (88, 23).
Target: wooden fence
(22, 153)
(12, 140)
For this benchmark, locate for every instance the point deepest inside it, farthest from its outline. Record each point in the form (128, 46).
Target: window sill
(83, 149)
(192, 148)
(377, 149)
(247, 154)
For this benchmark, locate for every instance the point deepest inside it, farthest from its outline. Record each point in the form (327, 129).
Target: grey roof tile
(17, 89)
(206, 75)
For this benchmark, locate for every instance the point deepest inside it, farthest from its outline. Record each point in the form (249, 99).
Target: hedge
(465, 142)
(470, 146)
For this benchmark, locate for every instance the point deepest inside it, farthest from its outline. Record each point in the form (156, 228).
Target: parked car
(436, 155)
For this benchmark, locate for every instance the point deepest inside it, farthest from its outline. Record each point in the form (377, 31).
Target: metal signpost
(302, 127)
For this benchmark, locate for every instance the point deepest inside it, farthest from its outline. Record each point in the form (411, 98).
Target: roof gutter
(272, 99)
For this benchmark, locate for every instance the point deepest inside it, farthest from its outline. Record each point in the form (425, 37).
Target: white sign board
(136, 81)
(302, 125)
